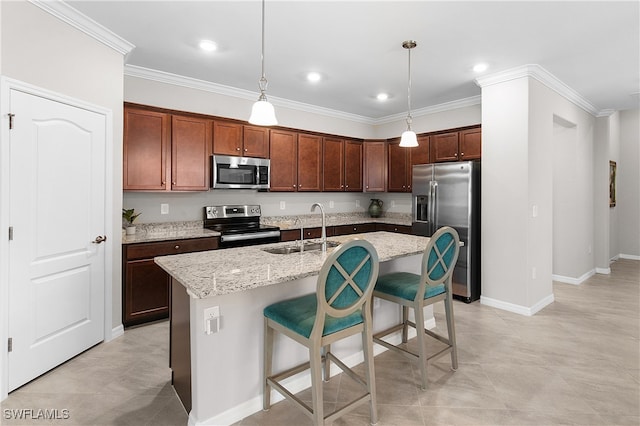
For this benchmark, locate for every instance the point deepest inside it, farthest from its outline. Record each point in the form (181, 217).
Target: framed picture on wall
(612, 183)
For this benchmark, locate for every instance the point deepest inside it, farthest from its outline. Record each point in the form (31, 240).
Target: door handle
(99, 239)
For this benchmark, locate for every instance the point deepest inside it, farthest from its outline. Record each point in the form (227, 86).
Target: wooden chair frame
(420, 302)
(319, 346)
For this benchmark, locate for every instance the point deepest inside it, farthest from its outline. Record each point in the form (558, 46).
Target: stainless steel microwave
(229, 172)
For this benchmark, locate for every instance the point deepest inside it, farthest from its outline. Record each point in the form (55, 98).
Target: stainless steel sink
(296, 248)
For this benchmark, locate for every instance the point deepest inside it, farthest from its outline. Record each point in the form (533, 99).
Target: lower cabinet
(146, 287)
(401, 229)
(294, 234)
(354, 229)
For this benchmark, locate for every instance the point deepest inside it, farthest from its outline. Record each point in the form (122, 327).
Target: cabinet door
(354, 229)
(420, 154)
(333, 164)
(398, 166)
(146, 150)
(375, 166)
(470, 144)
(353, 166)
(227, 138)
(309, 162)
(146, 292)
(191, 140)
(256, 142)
(283, 152)
(444, 147)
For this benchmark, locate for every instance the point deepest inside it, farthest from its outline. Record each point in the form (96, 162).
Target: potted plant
(130, 215)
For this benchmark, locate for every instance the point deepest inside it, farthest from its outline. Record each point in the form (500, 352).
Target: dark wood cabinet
(399, 167)
(309, 162)
(420, 154)
(146, 286)
(146, 150)
(284, 164)
(231, 138)
(457, 146)
(333, 164)
(354, 229)
(375, 166)
(165, 152)
(190, 151)
(402, 229)
(342, 165)
(470, 144)
(353, 166)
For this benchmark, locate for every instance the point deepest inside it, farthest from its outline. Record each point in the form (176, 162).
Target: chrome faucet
(324, 225)
(297, 220)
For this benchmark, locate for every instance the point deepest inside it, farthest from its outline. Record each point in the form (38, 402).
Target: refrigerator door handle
(433, 191)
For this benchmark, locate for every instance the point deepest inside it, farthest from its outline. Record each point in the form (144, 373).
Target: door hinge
(11, 233)
(11, 120)
(10, 344)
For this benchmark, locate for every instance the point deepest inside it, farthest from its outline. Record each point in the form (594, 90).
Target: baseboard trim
(629, 256)
(605, 271)
(574, 281)
(115, 332)
(517, 309)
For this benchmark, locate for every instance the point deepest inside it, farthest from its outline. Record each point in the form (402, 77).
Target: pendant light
(409, 138)
(262, 113)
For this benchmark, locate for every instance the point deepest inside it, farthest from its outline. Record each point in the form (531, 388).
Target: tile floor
(577, 362)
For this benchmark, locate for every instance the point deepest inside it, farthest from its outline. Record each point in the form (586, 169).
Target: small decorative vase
(375, 208)
(130, 230)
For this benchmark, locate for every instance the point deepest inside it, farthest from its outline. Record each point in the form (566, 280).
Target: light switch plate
(164, 208)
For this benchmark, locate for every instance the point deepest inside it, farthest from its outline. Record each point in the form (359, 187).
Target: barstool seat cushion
(405, 285)
(299, 314)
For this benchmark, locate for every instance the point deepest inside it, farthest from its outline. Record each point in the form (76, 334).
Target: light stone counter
(151, 232)
(314, 220)
(219, 272)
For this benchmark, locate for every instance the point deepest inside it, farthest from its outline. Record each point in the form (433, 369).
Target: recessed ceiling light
(480, 67)
(314, 77)
(382, 96)
(208, 45)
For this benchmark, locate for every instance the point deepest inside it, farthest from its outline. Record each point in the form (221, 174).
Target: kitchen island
(218, 375)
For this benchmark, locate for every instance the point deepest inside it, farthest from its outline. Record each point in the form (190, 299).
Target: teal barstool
(417, 291)
(339, 308)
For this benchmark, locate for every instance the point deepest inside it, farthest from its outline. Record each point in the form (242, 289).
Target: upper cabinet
(399, 167)
(165, 152)
(341, 165)
(284, 165)
(230, 138)
(456, 146)
(309, 162)
(375, 166)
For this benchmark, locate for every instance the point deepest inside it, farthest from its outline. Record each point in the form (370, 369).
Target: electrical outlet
(376, 303)
(212, 320)
(357, 203)
(393, 203)
(282, 205)
(164, 208)
(331, 204)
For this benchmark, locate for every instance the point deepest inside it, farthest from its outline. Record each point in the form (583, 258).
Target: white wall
(39, 49)
(601, 231)
(628, 197)
(614, 155)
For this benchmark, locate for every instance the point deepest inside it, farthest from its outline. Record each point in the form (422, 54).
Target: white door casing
(56, 194)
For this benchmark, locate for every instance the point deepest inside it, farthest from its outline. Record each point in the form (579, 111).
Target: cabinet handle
(347, 186)
(294, 186)
(245, 150)
(355, 228)
(238, 148)
(177, 247)
(164, 183)
(173, 183)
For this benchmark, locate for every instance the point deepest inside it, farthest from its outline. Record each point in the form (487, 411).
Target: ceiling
(593, 47)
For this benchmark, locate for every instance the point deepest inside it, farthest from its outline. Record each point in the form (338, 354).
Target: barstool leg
(422, 350)
(405, 324)
(451, 330)
(315, 358)
(326, 366)
(367, 347)
(267, 359)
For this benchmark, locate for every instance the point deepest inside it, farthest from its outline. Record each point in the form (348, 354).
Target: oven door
(229, 172)
(249, 239)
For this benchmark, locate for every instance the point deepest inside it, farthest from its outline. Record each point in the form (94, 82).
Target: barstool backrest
(440, 256)
(346, 280)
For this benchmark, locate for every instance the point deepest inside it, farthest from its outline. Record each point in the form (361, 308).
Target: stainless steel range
(239, 225)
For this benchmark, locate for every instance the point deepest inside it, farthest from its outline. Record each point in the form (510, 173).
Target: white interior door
(57, 209)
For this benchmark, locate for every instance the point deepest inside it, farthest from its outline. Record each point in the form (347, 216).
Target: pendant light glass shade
(409, 138)
(262, 113)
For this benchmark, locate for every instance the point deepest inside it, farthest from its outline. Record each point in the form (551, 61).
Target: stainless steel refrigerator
(448, 194)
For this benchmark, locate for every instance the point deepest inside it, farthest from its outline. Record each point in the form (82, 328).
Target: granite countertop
(167, 231)
(219, 272)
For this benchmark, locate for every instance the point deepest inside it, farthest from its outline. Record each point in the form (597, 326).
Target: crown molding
(73, 17)
(447, 106)
(193, 83)
(544, 77)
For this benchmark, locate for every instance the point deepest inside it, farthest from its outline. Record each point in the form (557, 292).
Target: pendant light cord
(409, 119)
(263, 80)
